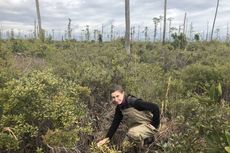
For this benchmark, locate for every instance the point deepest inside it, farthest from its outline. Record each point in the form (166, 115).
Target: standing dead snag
(69, 29)
(40, 30)
(127, 26)
(185, 17)
(164, 30)
(155, 21)
(214, 21)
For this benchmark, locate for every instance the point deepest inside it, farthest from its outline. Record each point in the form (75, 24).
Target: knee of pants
(141, 132)
(132, 133)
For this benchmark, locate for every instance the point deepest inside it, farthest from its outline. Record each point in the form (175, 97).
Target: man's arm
(116, 122)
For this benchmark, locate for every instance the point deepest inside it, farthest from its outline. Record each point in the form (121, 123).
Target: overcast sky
(21, 14)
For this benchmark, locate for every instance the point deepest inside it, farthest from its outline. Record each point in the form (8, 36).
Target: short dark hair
(116, 87)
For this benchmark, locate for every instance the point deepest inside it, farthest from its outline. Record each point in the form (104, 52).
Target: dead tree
(213, 26)
(155, 21)
(69, 31)
(35, 27)
(185, 15)
(160, 19)
(87, 34)
(146, 33)
(127, 26)
(207, 31)
(111, 32)
(227, 33)
(138, 34)
(132, 33)
(40, 30)
(191, 31)
(170, 24)
(164, 30)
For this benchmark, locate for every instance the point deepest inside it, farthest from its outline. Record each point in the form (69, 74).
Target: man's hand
(102, 142)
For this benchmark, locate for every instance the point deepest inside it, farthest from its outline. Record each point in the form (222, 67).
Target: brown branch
(7, 129)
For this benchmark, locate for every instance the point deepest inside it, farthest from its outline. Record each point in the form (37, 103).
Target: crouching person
(142, 118)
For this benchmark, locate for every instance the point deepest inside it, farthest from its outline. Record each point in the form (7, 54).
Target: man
(142, 118)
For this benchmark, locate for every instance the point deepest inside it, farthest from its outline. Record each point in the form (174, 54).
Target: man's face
(117, 97)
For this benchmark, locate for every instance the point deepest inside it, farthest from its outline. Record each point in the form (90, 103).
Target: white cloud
(20, 14)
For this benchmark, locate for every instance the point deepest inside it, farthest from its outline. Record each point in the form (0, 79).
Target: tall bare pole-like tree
(155, 21)
(112, 32)
(161, 18)
(1, 32)
(53, 34)
(165, 13)
(184, 25)
(214, 21)
(227, 34)
(69, 29)
(40, 31)
(170, 24)
(191, 31)
(35, 28)
(102, 30)
(87, 33)
(146, 33)
(132, 33)
(127, 26)
(138, 33)
(207, 31)
(0, 35)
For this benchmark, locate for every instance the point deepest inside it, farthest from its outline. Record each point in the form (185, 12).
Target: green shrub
(200, 127)
(198, 78)
(40, 101)
(179, 41)
(18, 46)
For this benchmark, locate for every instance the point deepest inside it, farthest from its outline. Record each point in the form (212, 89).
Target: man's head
(117, 94)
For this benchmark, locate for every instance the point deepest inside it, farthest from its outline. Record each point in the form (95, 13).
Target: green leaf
(219, 90)
(212, 92)
(227, 135)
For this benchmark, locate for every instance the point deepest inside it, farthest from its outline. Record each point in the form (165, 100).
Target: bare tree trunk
(155, 21)
(170, 24)
(87, 33)
(111, 32)
(207, 31)
(0, 36)
(1, 32)
(35, 32)
(138, 35)
(160, 19)
(127, 26)
(227, 34)
(53, 34)
(165, 13)
(41, 33)
(146, 34)
(69, 29)
(191, 31)
(213, 26)
(132, 33)
(185, 15)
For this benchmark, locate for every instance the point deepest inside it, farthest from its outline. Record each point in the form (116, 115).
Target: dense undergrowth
(54, 95)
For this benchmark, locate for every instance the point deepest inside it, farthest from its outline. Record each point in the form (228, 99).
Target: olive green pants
(140, 132)
(136, 136)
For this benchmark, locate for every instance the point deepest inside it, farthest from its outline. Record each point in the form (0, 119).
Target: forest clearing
(55, 94)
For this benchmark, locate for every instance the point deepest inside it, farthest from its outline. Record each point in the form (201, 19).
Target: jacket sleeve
(115, 123)
(141, 105)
